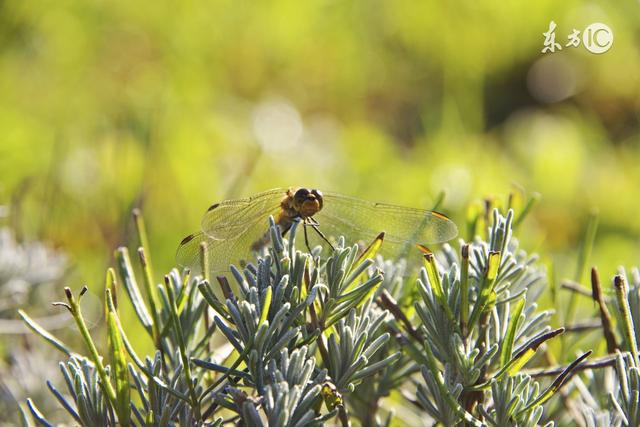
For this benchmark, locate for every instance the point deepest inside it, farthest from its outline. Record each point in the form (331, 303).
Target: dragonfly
(234, 230)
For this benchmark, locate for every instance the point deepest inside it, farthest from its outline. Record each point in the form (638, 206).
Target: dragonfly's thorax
(303, 203)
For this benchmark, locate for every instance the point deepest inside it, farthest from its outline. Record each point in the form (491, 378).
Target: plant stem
(464, 290)
(149, 288)
(76, 312)
(605, 317)
(601, 362)
(186, 363)
(387, 301)
(625, 311)
(583, 258)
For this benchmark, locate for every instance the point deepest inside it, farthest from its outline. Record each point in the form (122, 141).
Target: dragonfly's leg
(315, 225)
(306, 236)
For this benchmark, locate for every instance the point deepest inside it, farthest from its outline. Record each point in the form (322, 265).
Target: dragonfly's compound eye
(300, 196)
(307, 203)
(319, 198)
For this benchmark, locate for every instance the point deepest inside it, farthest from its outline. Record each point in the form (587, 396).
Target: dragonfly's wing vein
(400, 224)
(226, 226)
(223, 252)
(228, 219)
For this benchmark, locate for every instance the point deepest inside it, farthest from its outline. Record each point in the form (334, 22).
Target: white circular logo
(597, 38)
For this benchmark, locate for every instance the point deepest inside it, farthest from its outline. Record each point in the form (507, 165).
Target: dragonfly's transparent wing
(229, 230)
(226, 220)
(361, 220)
(221, 253)
(188, 253)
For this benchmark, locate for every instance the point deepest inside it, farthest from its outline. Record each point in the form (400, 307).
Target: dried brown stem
(583, 326)
(576, 288)
(387, 301)
(598, 363)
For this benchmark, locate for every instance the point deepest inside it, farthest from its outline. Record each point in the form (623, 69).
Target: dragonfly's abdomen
(283, 221)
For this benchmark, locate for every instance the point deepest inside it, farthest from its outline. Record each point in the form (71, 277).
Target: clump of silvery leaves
(27, 272)
(298, 339)
(611, 396)
(24, 266)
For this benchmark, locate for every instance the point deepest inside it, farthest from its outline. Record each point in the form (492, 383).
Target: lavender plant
(609, 394)
(24, 266)
(618, 401)
(28, 271)
(300, 338)
(279, 313)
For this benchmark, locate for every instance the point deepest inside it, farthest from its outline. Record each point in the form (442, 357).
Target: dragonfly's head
(307, 202)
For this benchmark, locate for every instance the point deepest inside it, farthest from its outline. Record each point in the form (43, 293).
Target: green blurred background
(170, 106)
